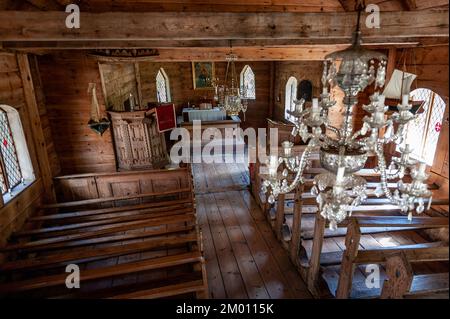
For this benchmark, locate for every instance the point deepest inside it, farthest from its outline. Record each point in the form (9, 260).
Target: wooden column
(295, 243)
(272, 90)
(36, 128)
(314, 263)
(137, 73)
(279, 221)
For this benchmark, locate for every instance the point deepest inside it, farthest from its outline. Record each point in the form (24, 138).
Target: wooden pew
(353, 256)
(401, 281)
(145, 245)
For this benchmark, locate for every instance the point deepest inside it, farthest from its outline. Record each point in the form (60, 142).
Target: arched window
(247, 82)
(162, 87)
(423, 132)
(15, 164)
(290, 97)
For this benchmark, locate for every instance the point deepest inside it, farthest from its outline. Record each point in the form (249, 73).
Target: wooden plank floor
(243, 257)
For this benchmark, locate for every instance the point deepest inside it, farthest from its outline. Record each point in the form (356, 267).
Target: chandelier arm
(383, 174)
(298, 176)
(333, 129)
(398, 135)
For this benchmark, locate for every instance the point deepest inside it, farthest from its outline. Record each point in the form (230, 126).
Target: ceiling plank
(347, 5)
(309, 27)
(208, 5)
(46, 5)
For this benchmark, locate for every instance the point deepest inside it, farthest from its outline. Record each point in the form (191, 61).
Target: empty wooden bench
(354, 256)
(140, 245)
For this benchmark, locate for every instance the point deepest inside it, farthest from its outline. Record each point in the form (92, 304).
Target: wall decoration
(203, 74)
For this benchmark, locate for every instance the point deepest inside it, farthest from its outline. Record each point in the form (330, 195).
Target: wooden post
(295, 243)
(279, 221)
(36, 127)
(347, 267)
(314, 263)
(400, 276)
(272, 90)
(137, 74)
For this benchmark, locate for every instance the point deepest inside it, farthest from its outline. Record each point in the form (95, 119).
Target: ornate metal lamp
(339, 189)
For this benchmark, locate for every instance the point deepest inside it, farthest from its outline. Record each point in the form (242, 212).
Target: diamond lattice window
(162, 87)
(10, 171)
(248, 87)
(423, 132)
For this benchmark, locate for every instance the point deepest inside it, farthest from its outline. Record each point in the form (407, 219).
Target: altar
(214, 114)
(212, 118)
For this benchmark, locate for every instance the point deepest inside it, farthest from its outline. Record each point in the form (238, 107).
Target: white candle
(422, 168)
(287, 148)
(315, 105)
(405, 99)
(381, 100)
(340, 175)
(325, 90)
(273, 165)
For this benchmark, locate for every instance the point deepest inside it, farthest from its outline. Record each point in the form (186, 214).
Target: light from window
(290, 97)
(423, 132)
(248, 87)
(162, 87)
(11, 175)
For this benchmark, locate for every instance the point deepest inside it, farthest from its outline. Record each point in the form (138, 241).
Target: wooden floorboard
(243, 257)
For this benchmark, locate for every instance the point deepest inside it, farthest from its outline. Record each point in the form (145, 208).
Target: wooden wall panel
(182, 92)
(65, 79)
(43, 114)
(431, 66)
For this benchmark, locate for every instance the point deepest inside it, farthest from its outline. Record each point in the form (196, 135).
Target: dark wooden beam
(46, 5)
(347, 5)
(409, 4)
(310, 27)
(168, 44)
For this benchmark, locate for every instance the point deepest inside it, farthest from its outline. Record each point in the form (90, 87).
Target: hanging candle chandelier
(345, 152)
(233, 99)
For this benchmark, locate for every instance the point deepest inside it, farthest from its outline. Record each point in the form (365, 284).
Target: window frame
(3, 170)
(24, 161)
(419, 149)
(245, 69)
(291, 88)
(166, 86)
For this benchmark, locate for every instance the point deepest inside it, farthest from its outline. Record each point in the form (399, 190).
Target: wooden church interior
(77, 189)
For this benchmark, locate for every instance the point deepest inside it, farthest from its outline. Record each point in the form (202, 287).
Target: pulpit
(137, 142)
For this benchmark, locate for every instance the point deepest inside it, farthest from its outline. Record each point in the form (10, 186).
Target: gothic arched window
(247, 82)
(162, 87)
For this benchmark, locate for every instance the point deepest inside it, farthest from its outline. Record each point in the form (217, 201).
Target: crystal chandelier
(232, 97)
(345, 151)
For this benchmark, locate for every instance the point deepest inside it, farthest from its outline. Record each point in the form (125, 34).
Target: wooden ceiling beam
(160, 44)
(300, 53)
(309, 27)
(46, 5)
(208, 5)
